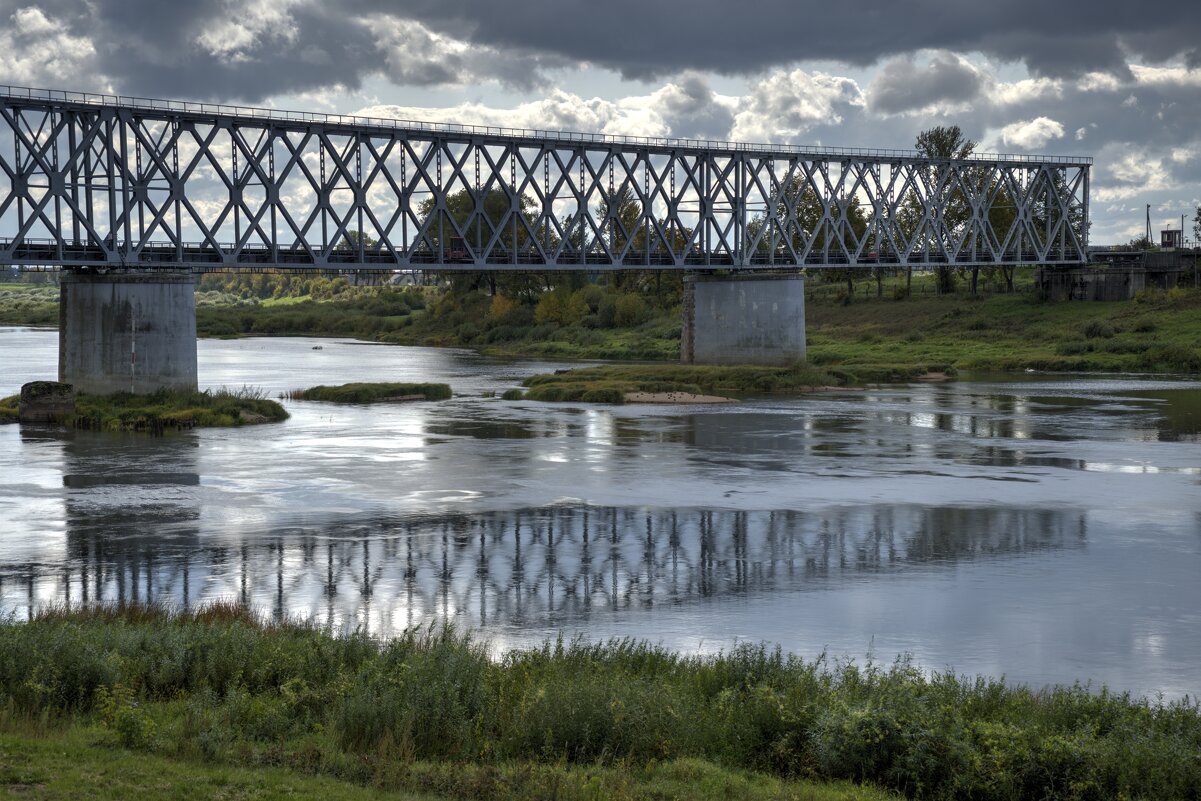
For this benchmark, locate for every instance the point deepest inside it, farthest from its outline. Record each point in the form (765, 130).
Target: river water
(1043, 528)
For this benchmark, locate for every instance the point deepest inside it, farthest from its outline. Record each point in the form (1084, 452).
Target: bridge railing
(572, 137)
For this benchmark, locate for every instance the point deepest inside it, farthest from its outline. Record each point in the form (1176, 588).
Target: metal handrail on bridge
(569, 137)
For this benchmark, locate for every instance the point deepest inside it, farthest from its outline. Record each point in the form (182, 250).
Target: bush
(561, 307)
(630, 310)
(1179, 358)
(1098, 329)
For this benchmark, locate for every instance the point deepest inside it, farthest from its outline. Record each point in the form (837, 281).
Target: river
(1042, 528)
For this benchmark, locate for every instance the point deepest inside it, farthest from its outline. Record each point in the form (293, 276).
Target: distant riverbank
(1156, 332)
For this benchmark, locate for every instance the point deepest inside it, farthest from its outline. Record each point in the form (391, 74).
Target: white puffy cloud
(1027, 90)
(1131, 174)
(1031, 134)
(234, 37)
(786, 104)
(1166, 76)
(1098, 82)
(36, 49)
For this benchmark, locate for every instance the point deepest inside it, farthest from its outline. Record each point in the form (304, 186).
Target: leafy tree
(940, 143)
(513, 233)
(353, 238)
(806, 226)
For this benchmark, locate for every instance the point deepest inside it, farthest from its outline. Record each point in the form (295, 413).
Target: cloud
(902, 86)
(252, 49)
(1131, 175)
(1031, 134)
(786, 104)
(37, 49)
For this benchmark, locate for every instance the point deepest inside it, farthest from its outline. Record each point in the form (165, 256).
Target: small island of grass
(160, 411)
(372, 393)
(678, 383)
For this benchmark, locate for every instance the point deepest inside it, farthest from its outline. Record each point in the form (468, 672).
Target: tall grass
(610, 383)
(372, 392)
(164, 410)
(219, 680)
(175, 409)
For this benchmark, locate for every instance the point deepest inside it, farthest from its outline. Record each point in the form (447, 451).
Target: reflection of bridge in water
(547, 566)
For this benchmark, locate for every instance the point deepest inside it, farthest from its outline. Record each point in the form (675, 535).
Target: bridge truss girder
(91, 181)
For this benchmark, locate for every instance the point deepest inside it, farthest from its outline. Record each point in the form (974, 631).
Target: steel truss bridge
(109, 182)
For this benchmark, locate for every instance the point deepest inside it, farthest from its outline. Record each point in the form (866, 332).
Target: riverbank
(1156, 332)
(430, 711)
(162, 411)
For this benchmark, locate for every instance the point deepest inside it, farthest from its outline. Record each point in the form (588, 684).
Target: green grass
(610, 383)
(432, 711)
(1156, 332)
(9, 408)
(81, 760)
(164, 410)
(29, 304)
(372, 393)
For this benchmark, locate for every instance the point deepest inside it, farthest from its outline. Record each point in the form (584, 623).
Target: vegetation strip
(372, 393)
(684, 383)
(163, 410)
(431, 711)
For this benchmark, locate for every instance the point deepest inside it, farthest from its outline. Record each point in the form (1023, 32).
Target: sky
(1117, 81)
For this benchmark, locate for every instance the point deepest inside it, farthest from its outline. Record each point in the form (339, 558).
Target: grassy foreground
(372, 393)
(611, 383)
(430, 712)
(164, 410)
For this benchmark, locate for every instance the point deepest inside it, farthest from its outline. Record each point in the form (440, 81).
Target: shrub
(1098, 329)
(629, 310)
(560, 307)
(500, 309)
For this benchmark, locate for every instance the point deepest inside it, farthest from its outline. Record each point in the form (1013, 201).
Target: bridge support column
(743, 319)
(127, 332)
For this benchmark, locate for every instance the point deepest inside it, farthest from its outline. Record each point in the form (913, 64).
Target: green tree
(940, 143)
(514, 234)
(800, 221)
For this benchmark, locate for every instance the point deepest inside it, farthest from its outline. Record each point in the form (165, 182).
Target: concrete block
(46, 402)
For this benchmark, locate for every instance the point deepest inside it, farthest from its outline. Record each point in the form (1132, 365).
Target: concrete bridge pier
(743, 319)
(127, 331)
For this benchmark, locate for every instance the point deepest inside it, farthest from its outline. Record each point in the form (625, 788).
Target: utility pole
(1148, 233)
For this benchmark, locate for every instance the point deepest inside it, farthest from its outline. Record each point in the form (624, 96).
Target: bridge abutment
(743, 319)
(127, 332)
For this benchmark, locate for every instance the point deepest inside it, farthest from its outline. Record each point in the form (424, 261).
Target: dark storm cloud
(252, 49)
(642, 39)
(902, 85)
(215, 48)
